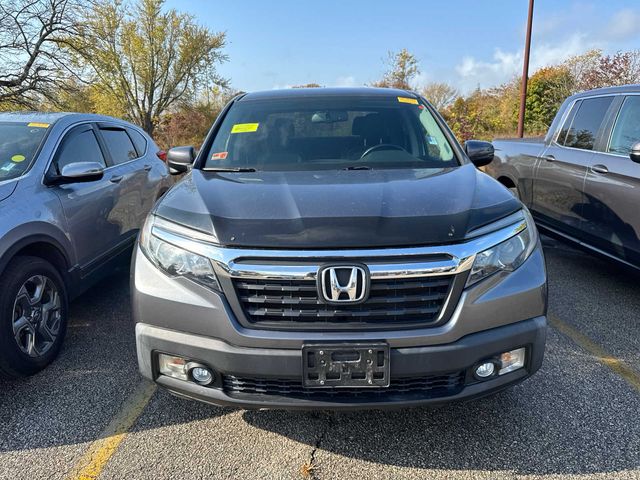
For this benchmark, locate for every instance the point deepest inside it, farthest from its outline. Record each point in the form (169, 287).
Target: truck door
(558, 191)
(612, 187)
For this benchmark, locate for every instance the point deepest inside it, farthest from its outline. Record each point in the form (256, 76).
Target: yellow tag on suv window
(18, 158)
(38, 125)
(412, 101)
(244, 127)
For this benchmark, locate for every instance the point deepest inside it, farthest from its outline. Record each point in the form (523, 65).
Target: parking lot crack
(309, 469)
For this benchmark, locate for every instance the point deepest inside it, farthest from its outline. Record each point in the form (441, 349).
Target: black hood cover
(338, 209)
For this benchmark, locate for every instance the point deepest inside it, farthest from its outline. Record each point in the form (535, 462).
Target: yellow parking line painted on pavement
(94, 460)
(618, 366)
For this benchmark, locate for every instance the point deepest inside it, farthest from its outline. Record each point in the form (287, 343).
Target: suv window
(327, 133)
(138, 141)
(19, 143)
(119, 144)
(585, 124)
(80, 147)
(626, 131)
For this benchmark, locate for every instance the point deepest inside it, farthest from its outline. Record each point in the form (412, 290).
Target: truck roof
(608, 90)
(328, 92)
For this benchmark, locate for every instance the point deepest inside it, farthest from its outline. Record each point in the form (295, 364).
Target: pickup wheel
(33, 316)
(514, 192)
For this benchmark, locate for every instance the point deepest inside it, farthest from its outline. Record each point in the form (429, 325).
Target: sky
(466, 43)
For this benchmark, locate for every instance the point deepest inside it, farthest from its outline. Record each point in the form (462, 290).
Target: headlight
(176, 261)
(507, 255)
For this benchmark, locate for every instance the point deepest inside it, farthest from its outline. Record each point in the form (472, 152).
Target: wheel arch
(507, 181)
(42, 246)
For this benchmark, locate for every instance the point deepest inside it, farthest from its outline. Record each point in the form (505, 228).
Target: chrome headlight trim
(507, 255)
(276, 264)
(174, 260)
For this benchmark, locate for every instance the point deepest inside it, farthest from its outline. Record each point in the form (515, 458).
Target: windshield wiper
(229, 169)
(357, 167)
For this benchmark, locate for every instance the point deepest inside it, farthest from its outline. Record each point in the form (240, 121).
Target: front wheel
(33, 316)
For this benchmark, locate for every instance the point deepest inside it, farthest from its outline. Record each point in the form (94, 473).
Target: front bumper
(284, 366)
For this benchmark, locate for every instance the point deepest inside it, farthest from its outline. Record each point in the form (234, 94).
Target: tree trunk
(148, 125)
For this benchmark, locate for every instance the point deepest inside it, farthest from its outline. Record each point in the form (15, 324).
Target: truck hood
(338, 209)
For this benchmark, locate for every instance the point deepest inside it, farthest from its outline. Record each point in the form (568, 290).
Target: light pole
(525, 73)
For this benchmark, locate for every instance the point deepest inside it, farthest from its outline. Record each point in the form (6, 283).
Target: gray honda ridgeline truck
(337, 248)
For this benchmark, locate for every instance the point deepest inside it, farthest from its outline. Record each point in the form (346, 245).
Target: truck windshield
(18, 144)
(329, 133)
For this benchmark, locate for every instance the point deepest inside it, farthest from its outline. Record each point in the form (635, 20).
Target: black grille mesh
(423, 387)
(296, 302)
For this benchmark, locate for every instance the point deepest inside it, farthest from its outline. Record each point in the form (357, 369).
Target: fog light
(201, 375)
(173, 366)
(513, 360)
(485, 370)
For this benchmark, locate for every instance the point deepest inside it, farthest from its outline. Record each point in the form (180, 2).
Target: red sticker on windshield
(219, 156)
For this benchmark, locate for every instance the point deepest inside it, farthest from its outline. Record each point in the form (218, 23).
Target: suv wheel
(33, 316)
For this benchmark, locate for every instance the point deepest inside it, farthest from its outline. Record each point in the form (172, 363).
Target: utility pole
(525, 73)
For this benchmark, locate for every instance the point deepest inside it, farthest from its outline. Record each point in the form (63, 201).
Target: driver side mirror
(76, 173)
(180, 159)
(634, 154)
(480, 153)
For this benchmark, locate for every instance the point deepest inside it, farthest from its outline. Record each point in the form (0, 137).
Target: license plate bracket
(342, 365)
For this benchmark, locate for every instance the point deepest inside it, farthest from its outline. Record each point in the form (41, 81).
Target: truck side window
(626, 131)
(586, 123)
(562, 137)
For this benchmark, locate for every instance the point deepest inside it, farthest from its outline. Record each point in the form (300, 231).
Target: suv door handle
(549, 158)
(147, 167)
(600, 169)
(115, 178)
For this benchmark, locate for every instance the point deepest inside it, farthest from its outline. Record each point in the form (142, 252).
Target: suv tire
(33, 316)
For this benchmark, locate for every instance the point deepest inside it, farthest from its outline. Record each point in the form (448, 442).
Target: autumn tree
(402, 68)
(547, 89)
(142, 59)
(621, 68)
(578, 67)
(33, 62)
(484, 114)
(439, 94)
(189, 123)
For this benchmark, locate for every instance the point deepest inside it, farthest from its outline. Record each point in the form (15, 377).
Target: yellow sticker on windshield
(412, 101)
(18, 158)
(38, 125)
(245, 127)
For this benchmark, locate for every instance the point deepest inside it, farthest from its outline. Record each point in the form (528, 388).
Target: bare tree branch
(32, 60)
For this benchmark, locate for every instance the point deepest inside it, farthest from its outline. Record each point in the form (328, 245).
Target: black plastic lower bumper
(275, 375)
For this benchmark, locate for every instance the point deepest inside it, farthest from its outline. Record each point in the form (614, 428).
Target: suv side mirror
(634, 154)
(180, 159)
(480, 153)
(76, 173)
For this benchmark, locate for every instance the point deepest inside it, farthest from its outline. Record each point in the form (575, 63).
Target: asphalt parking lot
(89, 415)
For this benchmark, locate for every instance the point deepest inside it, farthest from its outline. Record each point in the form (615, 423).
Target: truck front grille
(431, 386)
(295, 303)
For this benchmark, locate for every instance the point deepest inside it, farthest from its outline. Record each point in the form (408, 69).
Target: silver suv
(337, 248)
(74, 190)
